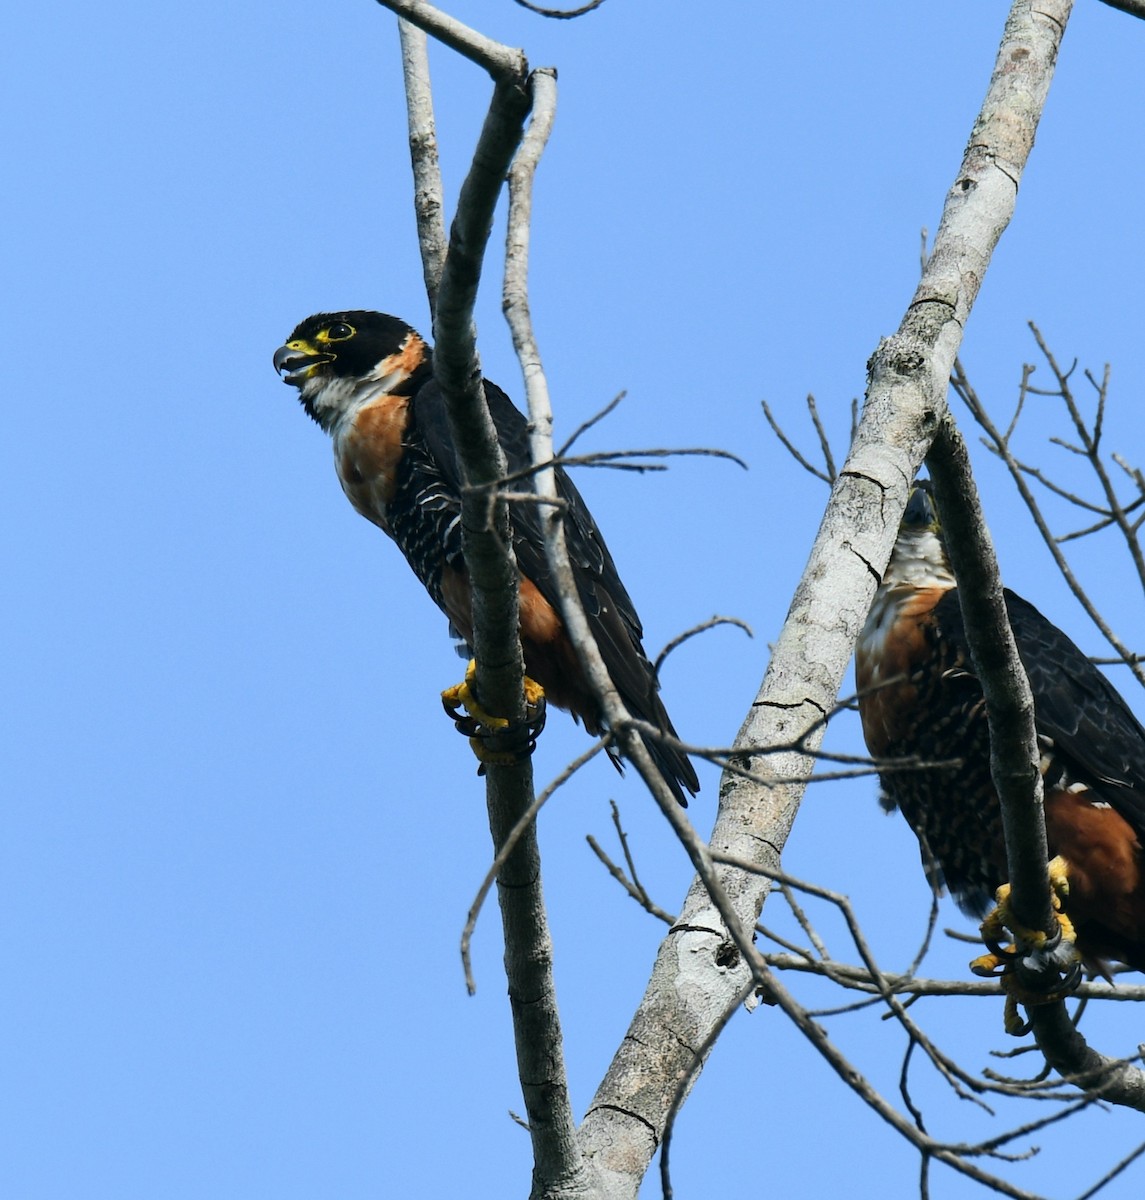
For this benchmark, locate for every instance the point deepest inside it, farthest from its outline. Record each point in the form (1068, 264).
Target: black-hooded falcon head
(919, 558)
(919, 566)
(339, 360)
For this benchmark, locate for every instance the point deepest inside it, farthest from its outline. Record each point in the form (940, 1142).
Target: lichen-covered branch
(1069, 1054)
(695, 976)
(1135, 8)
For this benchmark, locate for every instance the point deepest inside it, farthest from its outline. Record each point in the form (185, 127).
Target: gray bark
(694, 979)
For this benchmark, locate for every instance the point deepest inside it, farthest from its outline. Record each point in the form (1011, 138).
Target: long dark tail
(674, 766)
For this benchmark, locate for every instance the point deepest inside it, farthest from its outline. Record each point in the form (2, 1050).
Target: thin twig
(860, 979)
(616, 460)
(560, 14)
(1000, 443)
(1132, 1157)
(585, 426)
(630, 882)
(524, 824)
(801, 917)
(702, 627)
(827, 476)
(824, 441)
(685, 1081)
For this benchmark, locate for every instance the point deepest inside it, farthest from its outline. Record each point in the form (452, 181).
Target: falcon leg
(477, 723)
(1032, 947)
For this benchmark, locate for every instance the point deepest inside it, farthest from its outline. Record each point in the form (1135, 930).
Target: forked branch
(491, 564)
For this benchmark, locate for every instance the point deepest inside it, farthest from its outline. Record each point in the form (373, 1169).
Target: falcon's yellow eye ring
(339, 332)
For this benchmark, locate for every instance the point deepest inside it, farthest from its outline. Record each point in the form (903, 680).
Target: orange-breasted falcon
(367, 380)
(919, 697)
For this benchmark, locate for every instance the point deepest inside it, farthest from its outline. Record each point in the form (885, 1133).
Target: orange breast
(1106, 888)
(367, 454)
(893, 644)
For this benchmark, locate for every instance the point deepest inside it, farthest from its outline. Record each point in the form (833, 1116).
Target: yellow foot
(1033, 948)
(477, 723)
(464, 695)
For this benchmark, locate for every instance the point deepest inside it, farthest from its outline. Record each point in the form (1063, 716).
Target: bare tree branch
(1090, 439)
(1135, 8)
(684, 1084)
(1014, 758)
(427, 190)
(493, 580)
(488, 546)
(1067, 1052)
(905, 406)
(502, 62)
(616, 717)
(1130, 1158)
(848, 975)
(928, 1146)
(702, 627)
(631, 882)
(523, 829)
(560, 14)
(999, 442)
(824, 441)
(1014, 749)
(853, 976)
(585, 426)
(694, 978)
(828, 474)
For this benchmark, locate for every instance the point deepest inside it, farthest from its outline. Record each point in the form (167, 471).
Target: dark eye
(340, 331)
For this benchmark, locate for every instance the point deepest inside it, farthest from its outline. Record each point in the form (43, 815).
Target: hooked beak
(295, 360)
(920, 508)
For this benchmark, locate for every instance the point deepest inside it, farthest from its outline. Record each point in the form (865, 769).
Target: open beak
(294, 361)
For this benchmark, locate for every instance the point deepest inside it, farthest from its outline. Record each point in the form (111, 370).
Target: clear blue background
(239, 839)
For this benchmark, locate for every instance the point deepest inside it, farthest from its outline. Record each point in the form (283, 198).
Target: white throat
(336, 400)
(918, 561)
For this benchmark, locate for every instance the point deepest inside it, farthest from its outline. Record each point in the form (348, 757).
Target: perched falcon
(919, 697)
(367, 379)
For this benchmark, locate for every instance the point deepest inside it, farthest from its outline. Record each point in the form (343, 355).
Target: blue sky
(239, 839)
